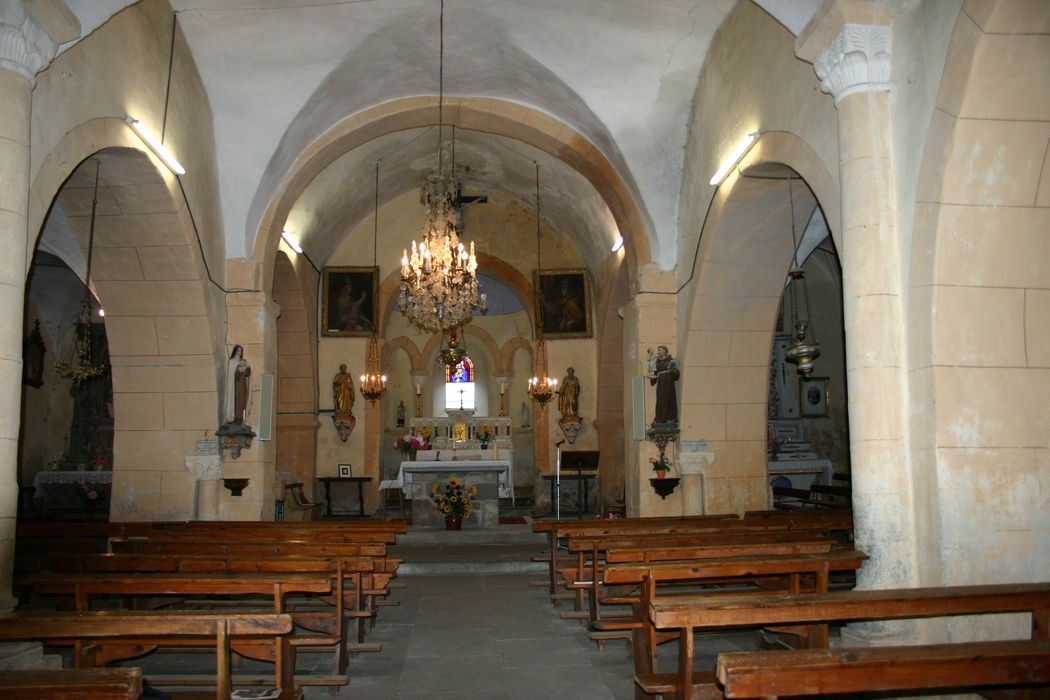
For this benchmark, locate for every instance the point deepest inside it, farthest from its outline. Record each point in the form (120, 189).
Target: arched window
(459, 385)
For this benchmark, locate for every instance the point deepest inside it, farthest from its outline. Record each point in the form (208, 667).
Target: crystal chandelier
(439, 285)
(541, 386)
(80, 365)
(801, 353)
(373, 384)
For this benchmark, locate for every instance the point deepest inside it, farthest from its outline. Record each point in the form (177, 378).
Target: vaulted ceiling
(281, 73)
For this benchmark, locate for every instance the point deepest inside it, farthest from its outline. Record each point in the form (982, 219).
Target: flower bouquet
(455, 500)
(410, 444)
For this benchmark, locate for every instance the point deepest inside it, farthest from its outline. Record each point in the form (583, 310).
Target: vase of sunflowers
(455, 500)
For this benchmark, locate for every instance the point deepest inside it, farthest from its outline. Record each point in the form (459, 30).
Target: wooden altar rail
(686, 614)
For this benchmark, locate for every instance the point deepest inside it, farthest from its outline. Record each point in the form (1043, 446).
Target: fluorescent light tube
(733, 158)
(155, 145)
(291, 242)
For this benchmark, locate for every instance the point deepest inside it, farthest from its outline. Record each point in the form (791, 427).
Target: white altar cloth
(503, 466)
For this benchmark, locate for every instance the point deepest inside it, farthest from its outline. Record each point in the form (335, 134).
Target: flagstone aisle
(492, 636)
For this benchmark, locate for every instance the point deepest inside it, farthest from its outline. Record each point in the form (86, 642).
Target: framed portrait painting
(813, 395)
(564, 304)
(349, 307)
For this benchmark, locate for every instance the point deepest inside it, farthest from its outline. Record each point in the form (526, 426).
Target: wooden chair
(385, 487)
(297, 506)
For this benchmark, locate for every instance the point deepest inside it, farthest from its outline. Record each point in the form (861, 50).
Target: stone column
(252, 323)
(849, 45)
(26, 48)
(650, 319)
(691, 467)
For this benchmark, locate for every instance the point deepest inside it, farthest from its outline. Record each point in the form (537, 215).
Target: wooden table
(359, 480)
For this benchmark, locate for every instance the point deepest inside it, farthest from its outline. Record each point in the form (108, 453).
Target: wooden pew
(762, 528)
(72, 684)
(796, 567)
(754, 521)
(557, 529)
(686, 613)
(373, 586)
(83, 587)
(347, 601)
(99, 637)
(586, 576)
(958, 667)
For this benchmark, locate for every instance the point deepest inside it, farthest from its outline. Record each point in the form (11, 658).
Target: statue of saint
(343, 391)
(400, 414)
(569, 395)
(663, 372)
(524, 414)
(237, 401)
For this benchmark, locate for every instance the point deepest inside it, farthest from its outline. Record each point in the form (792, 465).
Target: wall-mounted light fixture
(292, 243)
(155, 145)
(617, 244)
(738, 152)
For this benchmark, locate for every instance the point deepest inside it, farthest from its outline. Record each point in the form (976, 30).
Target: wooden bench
(373, 586)
(686, 613)
(692, 533)
(586, 576)
(100, 637)
(72, 684)
(797, 568)
(959, 667)
(84, 587)
(556, 530)
(346, 602)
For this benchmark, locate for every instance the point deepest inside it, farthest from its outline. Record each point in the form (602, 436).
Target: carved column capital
(857, 59)
(26, 47)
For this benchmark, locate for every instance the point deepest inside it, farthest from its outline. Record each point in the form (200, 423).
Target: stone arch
(484, 114)
(506, 273)
(405, 343)
(437, 339)
(507, 352)
(730, 307)
(977, 262)
(161, 324)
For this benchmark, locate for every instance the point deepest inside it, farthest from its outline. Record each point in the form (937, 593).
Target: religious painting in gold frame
(350, 301)
(563, 304)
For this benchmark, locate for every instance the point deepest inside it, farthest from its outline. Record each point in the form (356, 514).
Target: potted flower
(661, 465)
(410, 444)
(454, 500)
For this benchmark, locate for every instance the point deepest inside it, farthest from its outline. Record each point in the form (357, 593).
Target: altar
(490, 476)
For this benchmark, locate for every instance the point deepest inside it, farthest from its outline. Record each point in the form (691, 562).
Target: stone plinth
(486, 507)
